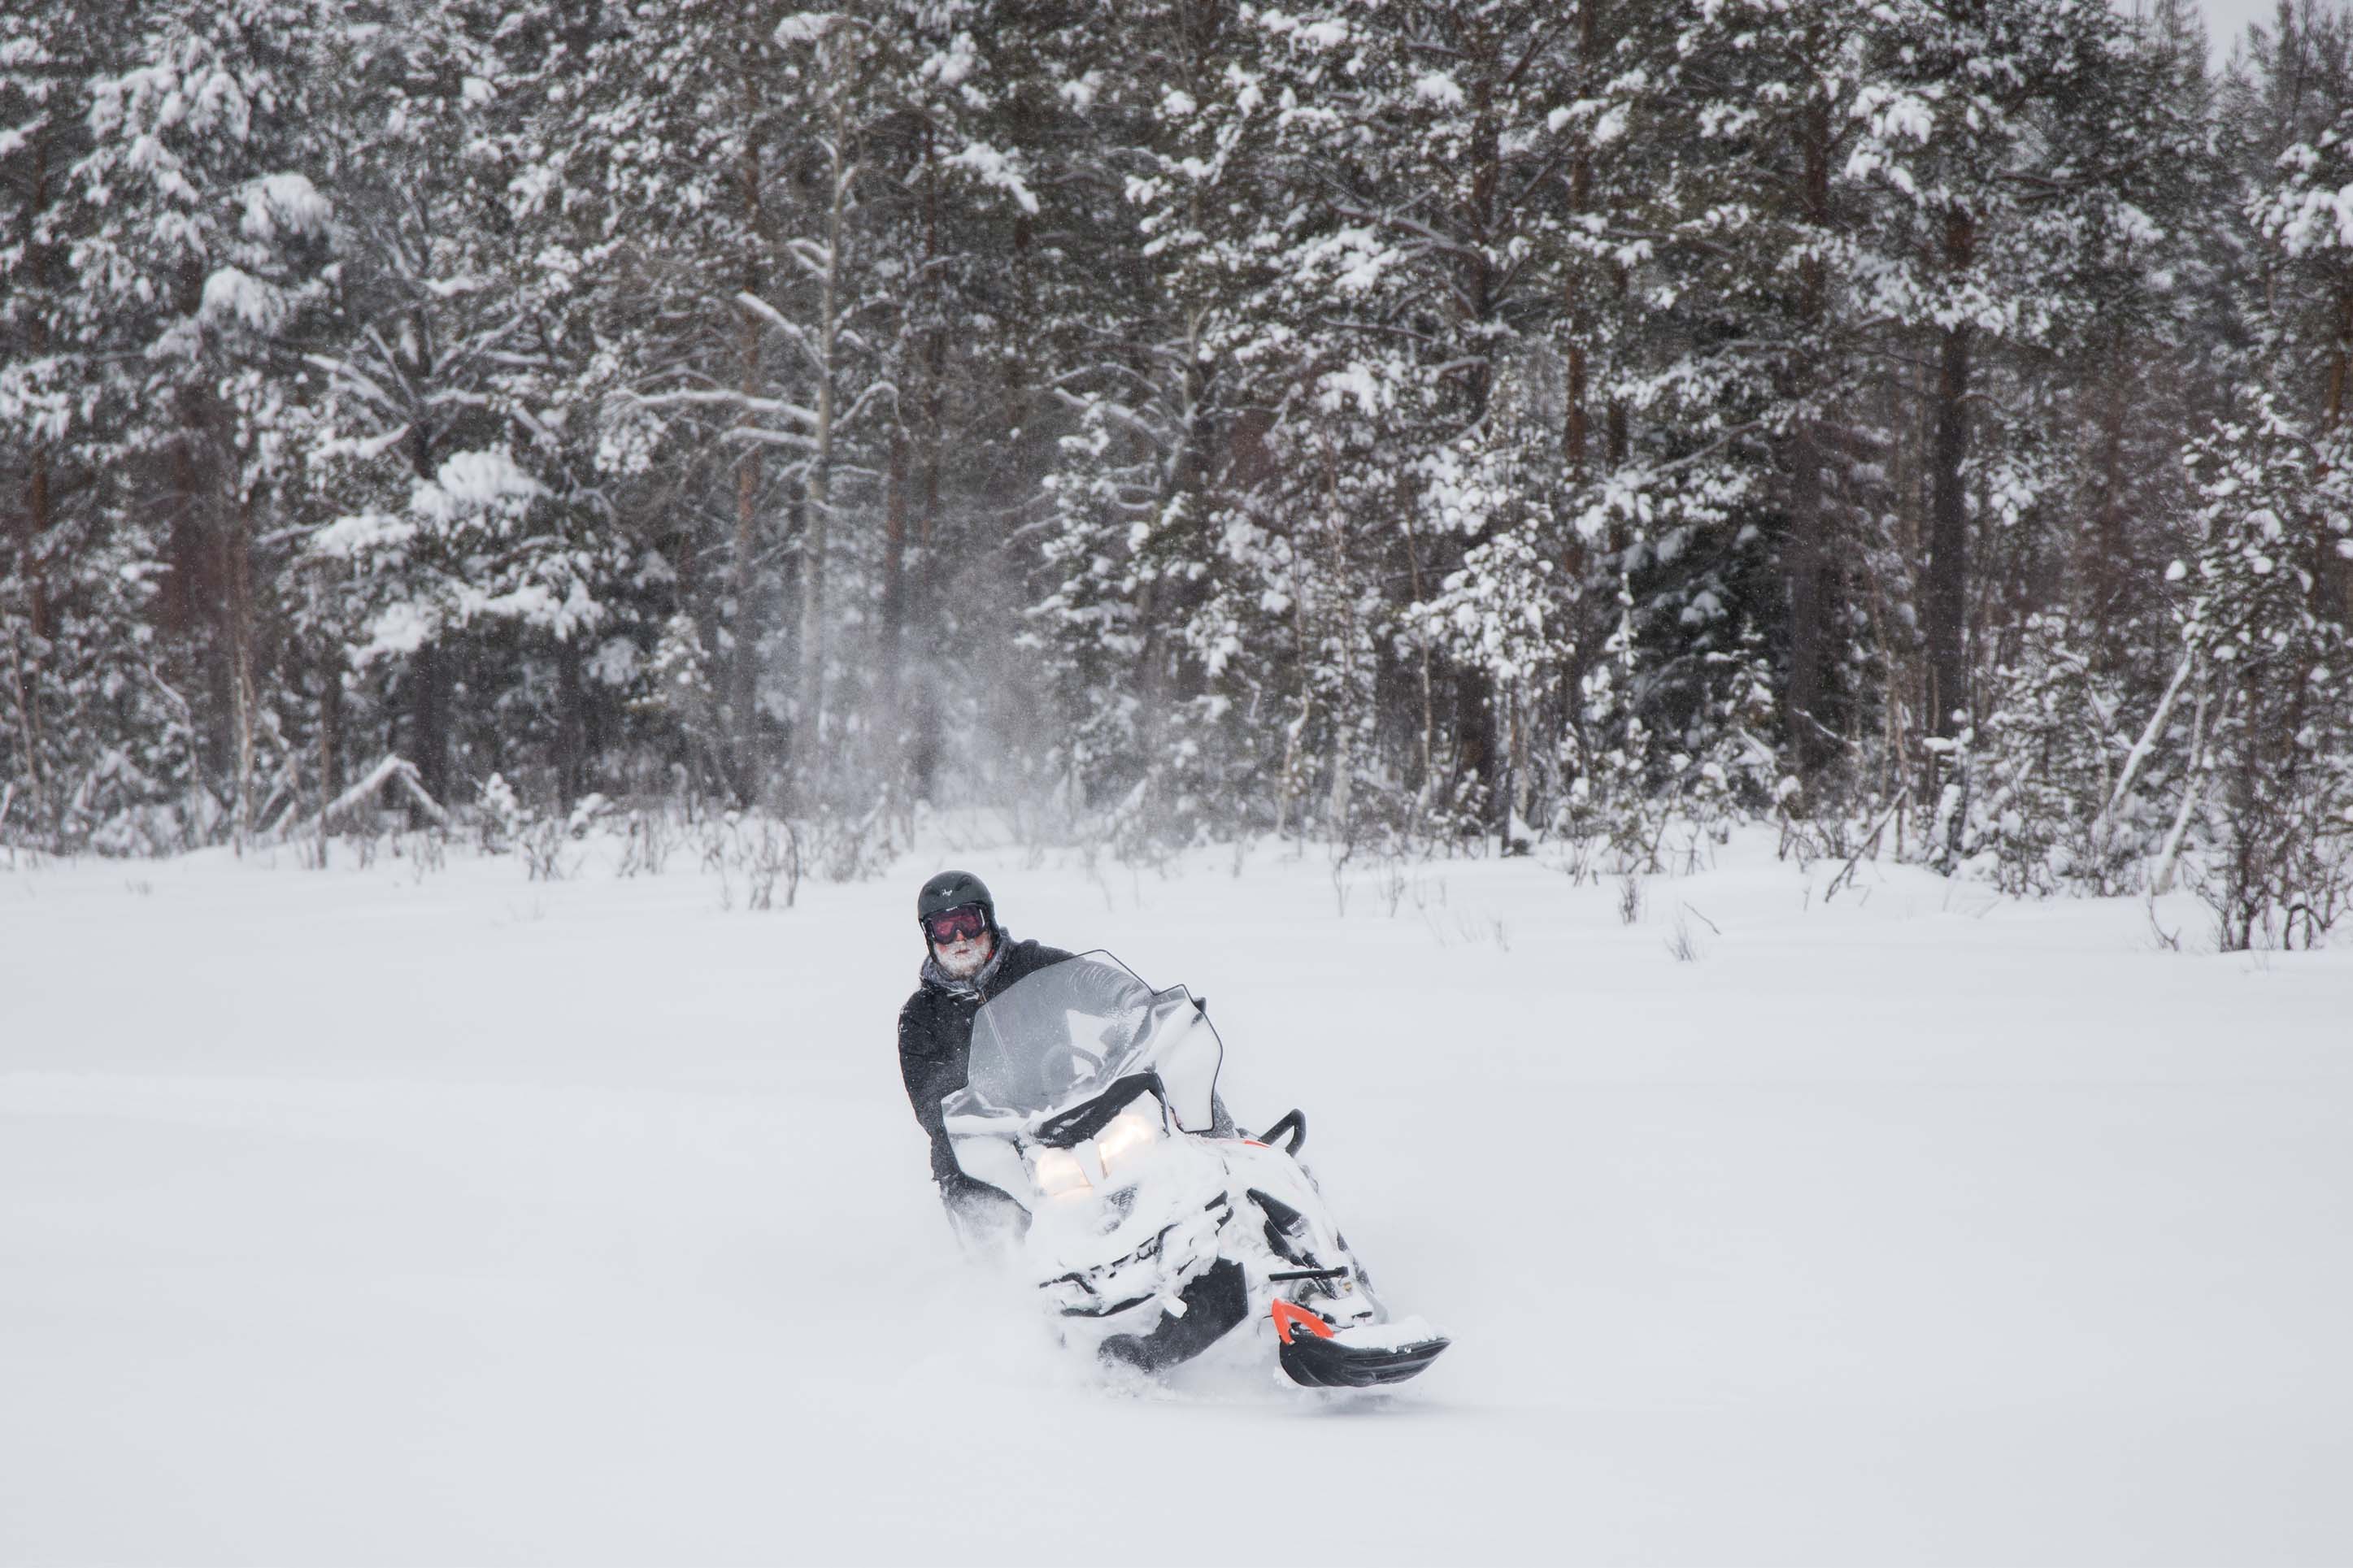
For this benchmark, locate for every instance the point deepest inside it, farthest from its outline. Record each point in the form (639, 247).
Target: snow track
(366, 1217)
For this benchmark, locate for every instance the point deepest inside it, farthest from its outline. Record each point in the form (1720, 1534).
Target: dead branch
(393, 769)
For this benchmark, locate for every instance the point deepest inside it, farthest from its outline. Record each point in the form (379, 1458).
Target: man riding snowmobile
(968, 959)
(1075, 1122)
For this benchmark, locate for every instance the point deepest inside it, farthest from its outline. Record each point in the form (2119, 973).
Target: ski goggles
(962, 923)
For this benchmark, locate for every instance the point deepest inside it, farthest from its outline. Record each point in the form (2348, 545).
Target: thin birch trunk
(2147, 742)
(2193, 788)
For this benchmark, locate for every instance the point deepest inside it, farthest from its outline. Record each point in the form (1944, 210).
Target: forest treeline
(1433, 424)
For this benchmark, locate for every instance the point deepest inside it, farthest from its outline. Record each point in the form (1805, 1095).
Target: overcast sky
(2226, 19)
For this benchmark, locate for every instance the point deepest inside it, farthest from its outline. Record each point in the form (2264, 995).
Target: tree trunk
(2341, 361)
(27, 681)
(923, 582)
(817, 512)
(191, 605)
(1808, 556)
(743, 677)
(1620, 436)
(1475, 736)
(922, 587)
(40, 268)
(1479, 761)
(571, 737)
(743, 662)
(1340, 765)
(428, 668)
(1575, 433)
(2101, 575)
(1810, 734)
(894, 586)
(28, 718)
(237, 573)
(31, 565)
(429, 722)
(2333, 589)
(330, 721)
(1945, 583)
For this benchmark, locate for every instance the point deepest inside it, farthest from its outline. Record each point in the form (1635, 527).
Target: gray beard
(935, 974)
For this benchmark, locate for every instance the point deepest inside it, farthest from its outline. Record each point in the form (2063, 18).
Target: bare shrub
(1681, 944)
(712, 837)
(659, 839)
(2276, 893)
(2170, 941)
(847, 848)
(428, 851)
(757, 851)
(771, 852)
(545, 847)
(1697, 852)
(651, 835)
(1575, 862)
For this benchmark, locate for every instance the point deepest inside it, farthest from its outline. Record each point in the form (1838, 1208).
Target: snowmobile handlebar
(1294, 1121)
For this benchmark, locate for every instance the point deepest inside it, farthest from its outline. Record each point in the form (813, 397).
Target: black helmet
(953, 890)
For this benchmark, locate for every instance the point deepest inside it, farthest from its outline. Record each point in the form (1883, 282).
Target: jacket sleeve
(931, 1069)
(921, 1059)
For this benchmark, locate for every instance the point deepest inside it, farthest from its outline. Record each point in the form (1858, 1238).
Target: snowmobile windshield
(1064, 1035)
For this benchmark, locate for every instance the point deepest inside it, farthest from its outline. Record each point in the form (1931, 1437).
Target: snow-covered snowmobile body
(1154, 1228)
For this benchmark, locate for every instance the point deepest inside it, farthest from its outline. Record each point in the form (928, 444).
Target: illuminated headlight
(1107, 1156)
(1129, 1134)
(1058, 1172)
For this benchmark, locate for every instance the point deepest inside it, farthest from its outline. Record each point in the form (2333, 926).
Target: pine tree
(2274, 772)
(206, 251)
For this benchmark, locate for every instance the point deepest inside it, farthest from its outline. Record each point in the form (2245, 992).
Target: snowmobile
(1154, 1228)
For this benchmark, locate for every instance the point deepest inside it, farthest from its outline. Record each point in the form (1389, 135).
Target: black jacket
(935, 1040)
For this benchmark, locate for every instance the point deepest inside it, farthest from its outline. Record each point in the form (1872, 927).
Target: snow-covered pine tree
(2273, 771)
(80, 720)
(663, 137)
(207, 250)
(1417, 254)
(456, 545)
(2084, 734)
(1763, 260)
(1981, 127)
(1133, 612)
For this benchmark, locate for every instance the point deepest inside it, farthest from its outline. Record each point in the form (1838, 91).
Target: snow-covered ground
(370, 1217)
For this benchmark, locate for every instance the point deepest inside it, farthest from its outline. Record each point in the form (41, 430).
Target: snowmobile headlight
(1059, 1172)
(1129, 1134)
